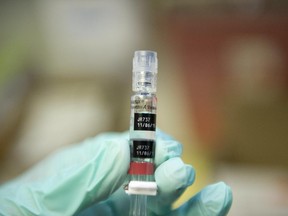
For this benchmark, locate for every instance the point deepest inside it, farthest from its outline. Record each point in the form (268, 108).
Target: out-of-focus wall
(232, 58)
(65, 74)
(235, 70)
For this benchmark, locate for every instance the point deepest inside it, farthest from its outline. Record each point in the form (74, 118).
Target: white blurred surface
(57, 115)
(257, 191)
(80, 36)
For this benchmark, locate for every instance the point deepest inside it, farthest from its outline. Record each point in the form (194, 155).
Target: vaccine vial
(143, 124)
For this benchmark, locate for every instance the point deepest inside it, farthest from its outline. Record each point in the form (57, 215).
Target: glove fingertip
(166, 149)
(216, 199)
(173, 175)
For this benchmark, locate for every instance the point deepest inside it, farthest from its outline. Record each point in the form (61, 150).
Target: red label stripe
(141, 168)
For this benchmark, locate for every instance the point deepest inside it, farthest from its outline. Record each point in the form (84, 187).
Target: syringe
(142, 131)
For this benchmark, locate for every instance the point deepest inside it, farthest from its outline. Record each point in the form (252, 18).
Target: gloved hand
(87, 179)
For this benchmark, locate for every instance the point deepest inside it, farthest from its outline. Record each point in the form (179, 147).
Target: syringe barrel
(143, 116)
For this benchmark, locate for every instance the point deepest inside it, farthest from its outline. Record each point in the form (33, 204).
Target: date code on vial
(145, 121)
(143, 149)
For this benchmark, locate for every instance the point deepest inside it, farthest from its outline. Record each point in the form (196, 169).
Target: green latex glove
(87, 179)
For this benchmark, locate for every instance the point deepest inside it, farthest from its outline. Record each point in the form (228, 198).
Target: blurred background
(65, 75)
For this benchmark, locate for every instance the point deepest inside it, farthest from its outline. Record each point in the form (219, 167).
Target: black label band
(143, 148)
(145, 121)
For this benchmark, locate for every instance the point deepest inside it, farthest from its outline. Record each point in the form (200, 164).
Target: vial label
(144, 104)
(145, 121)
(143, 149)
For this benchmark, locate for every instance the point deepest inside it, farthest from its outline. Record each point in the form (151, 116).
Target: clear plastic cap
(145, 67)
